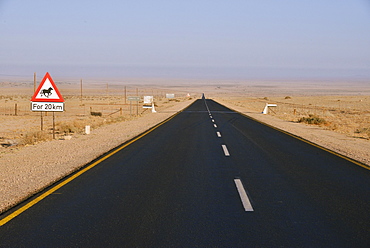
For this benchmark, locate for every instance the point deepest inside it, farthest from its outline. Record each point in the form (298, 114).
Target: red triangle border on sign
(35, 99)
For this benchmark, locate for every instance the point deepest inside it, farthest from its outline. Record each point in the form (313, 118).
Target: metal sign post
(134, 99)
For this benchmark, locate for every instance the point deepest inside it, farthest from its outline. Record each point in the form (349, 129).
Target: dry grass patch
(348, 115)
(363, 132)
(34, 137)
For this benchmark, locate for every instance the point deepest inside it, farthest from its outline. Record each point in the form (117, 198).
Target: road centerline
(243, 196)
(226, 151)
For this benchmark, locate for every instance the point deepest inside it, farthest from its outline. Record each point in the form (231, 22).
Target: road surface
(209, 177)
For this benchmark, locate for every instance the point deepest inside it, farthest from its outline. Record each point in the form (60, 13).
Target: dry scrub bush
(76, 126)
(312, 119)
(33, 137)
(365, 131)
(96, 113)
(119, 119)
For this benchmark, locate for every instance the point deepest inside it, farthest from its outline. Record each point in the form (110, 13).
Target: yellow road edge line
(304, 140)
(79, 173)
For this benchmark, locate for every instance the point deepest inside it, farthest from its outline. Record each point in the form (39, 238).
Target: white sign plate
(148, 99)
(47, 106)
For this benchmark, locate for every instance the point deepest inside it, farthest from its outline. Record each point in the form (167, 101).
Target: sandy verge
(358, 149)
(32, 168)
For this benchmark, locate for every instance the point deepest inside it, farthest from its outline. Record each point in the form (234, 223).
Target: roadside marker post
(266, 109)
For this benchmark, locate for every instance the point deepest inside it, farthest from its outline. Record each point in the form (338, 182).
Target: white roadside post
(266, 109)
(153, 109)
(87, 129)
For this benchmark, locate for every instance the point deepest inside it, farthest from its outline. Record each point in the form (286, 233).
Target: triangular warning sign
(47, 91)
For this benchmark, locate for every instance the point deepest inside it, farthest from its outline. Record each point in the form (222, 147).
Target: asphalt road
(209, 177)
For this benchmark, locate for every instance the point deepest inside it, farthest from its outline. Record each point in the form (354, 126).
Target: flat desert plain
(333, 114)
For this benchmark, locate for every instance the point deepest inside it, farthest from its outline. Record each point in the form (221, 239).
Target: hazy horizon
(239, 39)
(202, 73)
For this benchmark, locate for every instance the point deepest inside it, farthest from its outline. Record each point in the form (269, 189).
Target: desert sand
(31, 160)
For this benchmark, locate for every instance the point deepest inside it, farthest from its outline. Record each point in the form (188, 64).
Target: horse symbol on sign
(46, 92)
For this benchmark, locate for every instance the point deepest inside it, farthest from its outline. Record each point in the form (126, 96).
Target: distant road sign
(170, 95)
(133, 98)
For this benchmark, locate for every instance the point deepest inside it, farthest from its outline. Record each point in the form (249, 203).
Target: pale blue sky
(192, 38)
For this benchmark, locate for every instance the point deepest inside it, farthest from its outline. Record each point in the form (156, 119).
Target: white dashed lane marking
(239, 185)
(243, 196)
(227, 154)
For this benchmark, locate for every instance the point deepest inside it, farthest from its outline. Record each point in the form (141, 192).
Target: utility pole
(81, 90)
(125, 94)
(137, 103)
(34, 90)
(34, 82)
